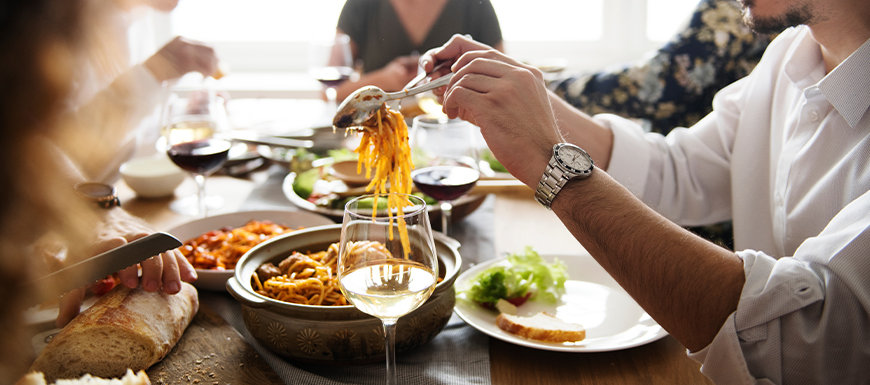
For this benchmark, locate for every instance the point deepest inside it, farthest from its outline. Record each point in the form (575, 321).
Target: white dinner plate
(216, 279)
(613, 320)
(43, 315)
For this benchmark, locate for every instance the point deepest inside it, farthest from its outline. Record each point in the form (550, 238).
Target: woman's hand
(163, 272)
(181, 56)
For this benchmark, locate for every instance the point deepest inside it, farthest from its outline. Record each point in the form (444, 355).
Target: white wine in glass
(387, 264)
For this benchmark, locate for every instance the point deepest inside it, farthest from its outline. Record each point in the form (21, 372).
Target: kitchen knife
(99, 266)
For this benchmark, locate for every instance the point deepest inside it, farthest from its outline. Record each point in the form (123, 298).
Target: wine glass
(189, 127)
(387, 265)
(331, 63)
(446, 156)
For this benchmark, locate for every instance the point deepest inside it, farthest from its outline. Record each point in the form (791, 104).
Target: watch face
(95, 190)
(574, 158)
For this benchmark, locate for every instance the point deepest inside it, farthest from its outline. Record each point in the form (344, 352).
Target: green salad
(524, 276)
(494, 164)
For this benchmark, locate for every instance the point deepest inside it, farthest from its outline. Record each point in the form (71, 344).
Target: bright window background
(255, 20)
(523, 20)
(665, 17)
(270, 36)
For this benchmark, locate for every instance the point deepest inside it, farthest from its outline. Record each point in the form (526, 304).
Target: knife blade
(95, 268)
(273, 141)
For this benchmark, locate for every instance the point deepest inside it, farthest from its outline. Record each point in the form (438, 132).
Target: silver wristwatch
(568, 162)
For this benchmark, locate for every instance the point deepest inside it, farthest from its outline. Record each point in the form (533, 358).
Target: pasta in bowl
(333, 333)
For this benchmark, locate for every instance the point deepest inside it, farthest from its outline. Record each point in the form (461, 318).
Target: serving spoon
(362, 104)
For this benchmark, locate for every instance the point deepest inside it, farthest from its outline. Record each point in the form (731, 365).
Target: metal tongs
(362, 104)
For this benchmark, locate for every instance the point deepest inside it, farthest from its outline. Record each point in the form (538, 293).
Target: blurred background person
(675, 86)
(44, 42)
(387, 36)
(118, 98)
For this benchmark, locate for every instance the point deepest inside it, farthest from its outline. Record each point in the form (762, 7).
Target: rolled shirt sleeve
(801, 319)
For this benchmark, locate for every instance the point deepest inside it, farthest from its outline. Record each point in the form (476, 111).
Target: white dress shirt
(786, 155)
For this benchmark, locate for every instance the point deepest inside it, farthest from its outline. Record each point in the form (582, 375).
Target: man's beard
(795, 15)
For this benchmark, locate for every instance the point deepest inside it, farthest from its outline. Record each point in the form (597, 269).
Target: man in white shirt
(784, 154)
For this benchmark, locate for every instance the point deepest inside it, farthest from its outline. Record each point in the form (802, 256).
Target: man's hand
(507, 99)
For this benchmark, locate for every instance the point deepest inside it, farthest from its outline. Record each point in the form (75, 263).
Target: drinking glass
(189, 127)
(387, 265)
(331, 63)
(445, 153)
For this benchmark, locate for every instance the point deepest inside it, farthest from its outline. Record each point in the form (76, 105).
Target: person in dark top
(388, 35)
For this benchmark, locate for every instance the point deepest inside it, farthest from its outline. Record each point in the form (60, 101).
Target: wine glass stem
(200, 194)
(332, 98)
(446, 213)
(390, 350)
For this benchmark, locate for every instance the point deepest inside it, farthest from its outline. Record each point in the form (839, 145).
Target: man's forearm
(687, 284)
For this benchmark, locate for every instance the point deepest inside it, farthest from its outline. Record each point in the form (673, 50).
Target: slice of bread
(37, 378)
(541, 327)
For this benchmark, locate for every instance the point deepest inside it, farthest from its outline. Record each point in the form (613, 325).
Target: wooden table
(660, 362)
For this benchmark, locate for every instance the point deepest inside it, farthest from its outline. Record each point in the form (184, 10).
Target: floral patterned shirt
(675, 88)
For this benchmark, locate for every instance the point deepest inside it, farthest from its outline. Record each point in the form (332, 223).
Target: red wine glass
(331, 62)
(446, 161)
(189, 131)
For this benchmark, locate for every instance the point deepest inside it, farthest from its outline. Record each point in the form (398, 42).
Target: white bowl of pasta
(334, 333)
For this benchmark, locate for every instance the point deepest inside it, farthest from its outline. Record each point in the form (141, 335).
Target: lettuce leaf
(525, 275)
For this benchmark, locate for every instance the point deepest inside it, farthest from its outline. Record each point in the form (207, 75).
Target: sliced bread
(541, 327)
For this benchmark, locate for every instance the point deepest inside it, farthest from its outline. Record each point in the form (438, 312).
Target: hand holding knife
(97, 267)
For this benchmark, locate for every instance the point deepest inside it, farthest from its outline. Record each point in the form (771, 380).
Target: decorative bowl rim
(240, 286)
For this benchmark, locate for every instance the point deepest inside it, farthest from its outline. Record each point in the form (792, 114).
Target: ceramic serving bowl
(335, 334)
(152, 177)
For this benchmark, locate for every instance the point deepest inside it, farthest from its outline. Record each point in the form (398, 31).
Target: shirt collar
(847, 87)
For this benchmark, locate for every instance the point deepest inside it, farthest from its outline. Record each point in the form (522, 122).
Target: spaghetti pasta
(311, 278)
(308, 279)
(384, 148)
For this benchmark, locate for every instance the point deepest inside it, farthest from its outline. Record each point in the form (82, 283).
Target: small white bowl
(152, 177)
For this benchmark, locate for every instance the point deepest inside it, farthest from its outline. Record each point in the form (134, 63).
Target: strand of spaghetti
(384, 147)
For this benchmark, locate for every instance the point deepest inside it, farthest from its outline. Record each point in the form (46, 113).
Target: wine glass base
(189, 205)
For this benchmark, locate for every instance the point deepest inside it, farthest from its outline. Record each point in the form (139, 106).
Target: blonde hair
(41, 41)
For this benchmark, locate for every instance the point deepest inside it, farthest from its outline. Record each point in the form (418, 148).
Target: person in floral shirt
(675, 87)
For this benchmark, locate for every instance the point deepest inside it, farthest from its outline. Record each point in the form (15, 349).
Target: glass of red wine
(446, 160)
(189, 128)
(331, 62)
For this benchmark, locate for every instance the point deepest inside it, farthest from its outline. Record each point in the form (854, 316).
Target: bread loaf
(541, 327)
(125, 329)
(140, 378)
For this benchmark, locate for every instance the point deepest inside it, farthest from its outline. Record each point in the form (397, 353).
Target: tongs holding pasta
(361, 105)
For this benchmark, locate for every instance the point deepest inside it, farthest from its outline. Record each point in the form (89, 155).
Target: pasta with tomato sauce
(384, 148)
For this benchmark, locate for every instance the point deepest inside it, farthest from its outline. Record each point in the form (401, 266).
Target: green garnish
(525, 276)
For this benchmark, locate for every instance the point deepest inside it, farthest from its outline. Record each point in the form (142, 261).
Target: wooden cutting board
(212, 352)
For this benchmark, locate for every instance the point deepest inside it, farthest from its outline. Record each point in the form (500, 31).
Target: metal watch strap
(551, 182)
(109, 202)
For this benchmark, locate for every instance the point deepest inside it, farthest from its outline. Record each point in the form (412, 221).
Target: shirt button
(814, 116)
